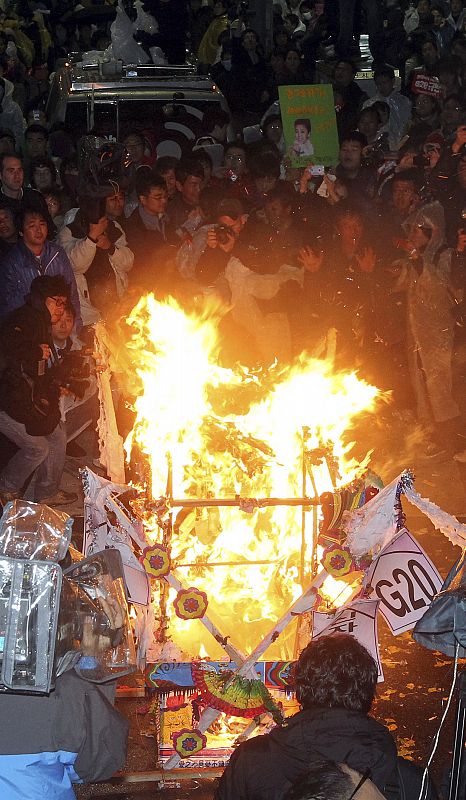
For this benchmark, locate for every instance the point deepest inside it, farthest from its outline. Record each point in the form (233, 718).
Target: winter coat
(264, 767)
(146, 243)
(83, 252)
(72, 735)
(19, 268)
(11, 116)
(26, 391)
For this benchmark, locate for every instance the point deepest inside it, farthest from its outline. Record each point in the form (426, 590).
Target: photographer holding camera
(30, 390)
(79, 405)
(101, 259)
(219, 241)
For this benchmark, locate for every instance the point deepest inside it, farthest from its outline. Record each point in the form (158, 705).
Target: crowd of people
(373, 248)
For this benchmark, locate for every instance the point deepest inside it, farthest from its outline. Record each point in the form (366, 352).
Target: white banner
(100, 534)
(359, 619)
(404, 580)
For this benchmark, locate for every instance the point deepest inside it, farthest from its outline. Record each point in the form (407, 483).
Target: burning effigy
(249, 527)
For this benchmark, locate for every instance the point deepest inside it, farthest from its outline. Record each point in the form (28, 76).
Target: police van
(110, 99)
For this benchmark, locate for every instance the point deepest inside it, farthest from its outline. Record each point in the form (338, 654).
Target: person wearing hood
(210, 45)
(29, 396)
(425, 276)
(11, 116)
(335, 679)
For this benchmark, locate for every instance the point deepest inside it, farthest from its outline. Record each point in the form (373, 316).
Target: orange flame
(234, 432)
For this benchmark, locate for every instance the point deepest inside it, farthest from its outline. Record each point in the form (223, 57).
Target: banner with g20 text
(404, 580)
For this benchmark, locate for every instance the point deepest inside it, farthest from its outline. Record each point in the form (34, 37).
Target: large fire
(224, 433)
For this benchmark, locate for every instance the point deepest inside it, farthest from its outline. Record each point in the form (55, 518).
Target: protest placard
(309, 124)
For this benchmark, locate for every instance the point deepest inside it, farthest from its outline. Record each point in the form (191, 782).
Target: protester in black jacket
(29, 395)
(335, 682)
(147, 229)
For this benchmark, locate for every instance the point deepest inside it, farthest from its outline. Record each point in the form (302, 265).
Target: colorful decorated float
(248, 529)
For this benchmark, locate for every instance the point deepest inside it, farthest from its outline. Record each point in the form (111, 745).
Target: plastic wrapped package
(34, 531)
(102, 628)
(144, 22)
(29, 606)
(123, 44)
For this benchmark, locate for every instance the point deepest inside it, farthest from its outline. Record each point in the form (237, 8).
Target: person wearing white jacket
(101, 261)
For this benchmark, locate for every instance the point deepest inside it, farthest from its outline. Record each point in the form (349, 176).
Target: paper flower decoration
(187, 743)
(337, 560)
(191, 603)
(155, 560)
(233, 694)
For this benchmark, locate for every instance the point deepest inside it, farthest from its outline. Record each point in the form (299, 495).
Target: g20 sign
(404, 580)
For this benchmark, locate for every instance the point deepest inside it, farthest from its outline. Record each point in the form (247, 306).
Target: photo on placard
(309, 125)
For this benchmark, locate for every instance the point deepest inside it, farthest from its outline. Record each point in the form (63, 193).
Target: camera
(94, 209)
(421, 161)
(224, 234)
(72, 373)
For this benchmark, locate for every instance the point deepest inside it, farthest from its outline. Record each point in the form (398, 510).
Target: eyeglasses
(59, 301)
(360, 783)
(233, 157)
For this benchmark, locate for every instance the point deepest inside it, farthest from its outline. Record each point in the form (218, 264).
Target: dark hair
(71, 162)
(266, 165)
(70, 309)
(272, 118)
(187, 167)
(280, 29)
(3, 156)
(249, 30)
(429, 38)
(336, 672)
(354, 136)
(384, 71)
(457, 98)
(50, 285)
(408, 176)
(203, 157)
(436, 104)
(323, 780)
(240, 145)
(380, 106)
(347, 61)
(368, 110)
(148, 181)
(43, 161)
(138, 134)
(56, 192)
(36, 128)
(213, 117)
(283, 192)
(348, 209)
(306, 123)
(164, 163)
(30, 211)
